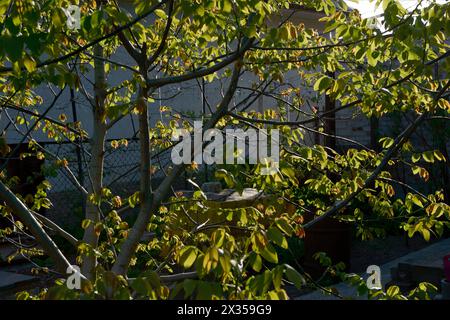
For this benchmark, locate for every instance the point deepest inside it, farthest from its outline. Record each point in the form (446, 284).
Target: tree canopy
(198, 250)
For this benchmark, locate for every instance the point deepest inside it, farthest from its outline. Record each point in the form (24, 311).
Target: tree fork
(128, 247)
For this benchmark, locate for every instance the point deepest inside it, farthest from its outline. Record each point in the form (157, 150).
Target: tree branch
(398, 143)
(164, 37)
(56, 229)
(155, 83)
(29, 220)
(130, 244)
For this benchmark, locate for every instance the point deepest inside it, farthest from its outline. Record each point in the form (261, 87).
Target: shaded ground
(41, 281)
(380, 251)
(423, 265)
(363, 254)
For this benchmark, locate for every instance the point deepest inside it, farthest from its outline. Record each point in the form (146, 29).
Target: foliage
(229, 253)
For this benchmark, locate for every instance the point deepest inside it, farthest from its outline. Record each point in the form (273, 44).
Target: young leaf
(187, 256)
(269, 253)
(322, 84)
(295, 277)
(277, 237)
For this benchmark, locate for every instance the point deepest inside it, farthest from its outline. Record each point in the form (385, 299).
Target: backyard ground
(363, 254)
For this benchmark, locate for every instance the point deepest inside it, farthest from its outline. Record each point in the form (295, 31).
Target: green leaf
(322, 84)
(85, 223)
(250, 31)
(225, 262)
(438, 155)
(199, 195)
(372, 55)
(227, 6)
(187, 256)
(29, 64)
(331, 26)
(13, 47)
(96, 19)
(386, 142)
(227, 176)
(189, 286)
(23, 295)
(243, 216)
(218, 237)
(255, 261)
(160, 13)
(277, 276)
(133, 200)
(295, 277)
(425, 234)
(393, 291)
(415, 158)
(284, 226)
(33, 43)
(417, 201)
(428, 156)
(284, 33)
(206, 290)
(277, 237)
(141, 286)
(278, 295)
(200, 11)
(269, 253)
(290, 173)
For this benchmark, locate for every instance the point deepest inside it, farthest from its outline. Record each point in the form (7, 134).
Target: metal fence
(121, 175)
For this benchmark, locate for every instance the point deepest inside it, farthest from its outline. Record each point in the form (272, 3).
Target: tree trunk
(96, 163)
(330, 122)
(145, 196)
(153, 201)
